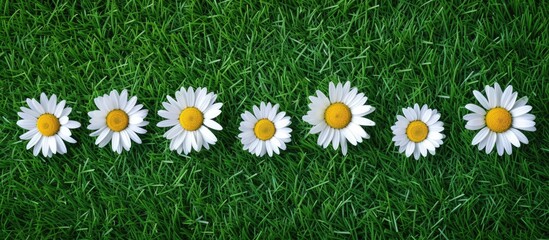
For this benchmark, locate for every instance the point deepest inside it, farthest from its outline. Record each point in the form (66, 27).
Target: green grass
(397, 53)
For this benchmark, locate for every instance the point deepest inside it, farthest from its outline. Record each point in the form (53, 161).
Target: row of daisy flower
(337, 117)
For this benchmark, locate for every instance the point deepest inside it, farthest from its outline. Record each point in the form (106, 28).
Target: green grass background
(397, 53)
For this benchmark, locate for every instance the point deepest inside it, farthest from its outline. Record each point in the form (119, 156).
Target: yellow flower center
(264, 129)
(338, 115)
(191, 119)
(117, 120)
(48, 124)
(498, 119)
(417, 131)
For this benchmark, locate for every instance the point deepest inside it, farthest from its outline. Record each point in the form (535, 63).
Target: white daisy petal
(322, 137)
(410, 147)
(52, 104)
(178, 140)
(65, 131)
(422, 149)
(516, 112)
(476, 109)
(134, 137)
(108, 102)
(332, 92)
(125, 140)
(481, 99)
(500, 144)
(135, 119)
(213, 106)
(44, 103)
(343, 144)
(506, 145)
(350, 96)
(212, 113)
(27, 124)
(498, 94)
(491, 141)
(273, 112)
(208, 136)
(416, 152)
(106, 132)
(115, 99)
(213, 125)
(169, 115)
(138, 110)
(282, 123)
(63, 120)
(167, 123)
(32, 113)
(472, 116)
(123, 99)
(359, 100)
(45, 146)
(506, 96)
(363, 121)
(59, 109)
(115, 141)
(72, 124)
(130, 104)
(417, 111)
(349, 136)
(481, 135)
(174, 103)
(475, 124)
(429, 146)
(520, 136)
(33, 141)
(52, 144)
(361, 110)
(426, 115)
(335, 140)
(512, 138)
(512, 101)
(343, 91)
(318, 128)
(61, 147)
(491, 95)
(409, 114)
(37, 147)
(521, 123)
(35, 106)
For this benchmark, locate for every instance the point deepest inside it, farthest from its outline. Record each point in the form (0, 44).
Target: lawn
(397, 53)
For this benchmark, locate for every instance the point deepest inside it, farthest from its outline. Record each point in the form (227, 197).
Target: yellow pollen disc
(338, 115)
(48, 124)
(498, 119)
(117, 120)
(417, 131)
(191, 119)
(264, 129)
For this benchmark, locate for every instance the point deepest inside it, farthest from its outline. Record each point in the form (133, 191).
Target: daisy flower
(190, 117)
(339, 117)
(418, 131)
(47, 124)
(118, 121)
(499, 118)
(265, 131)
